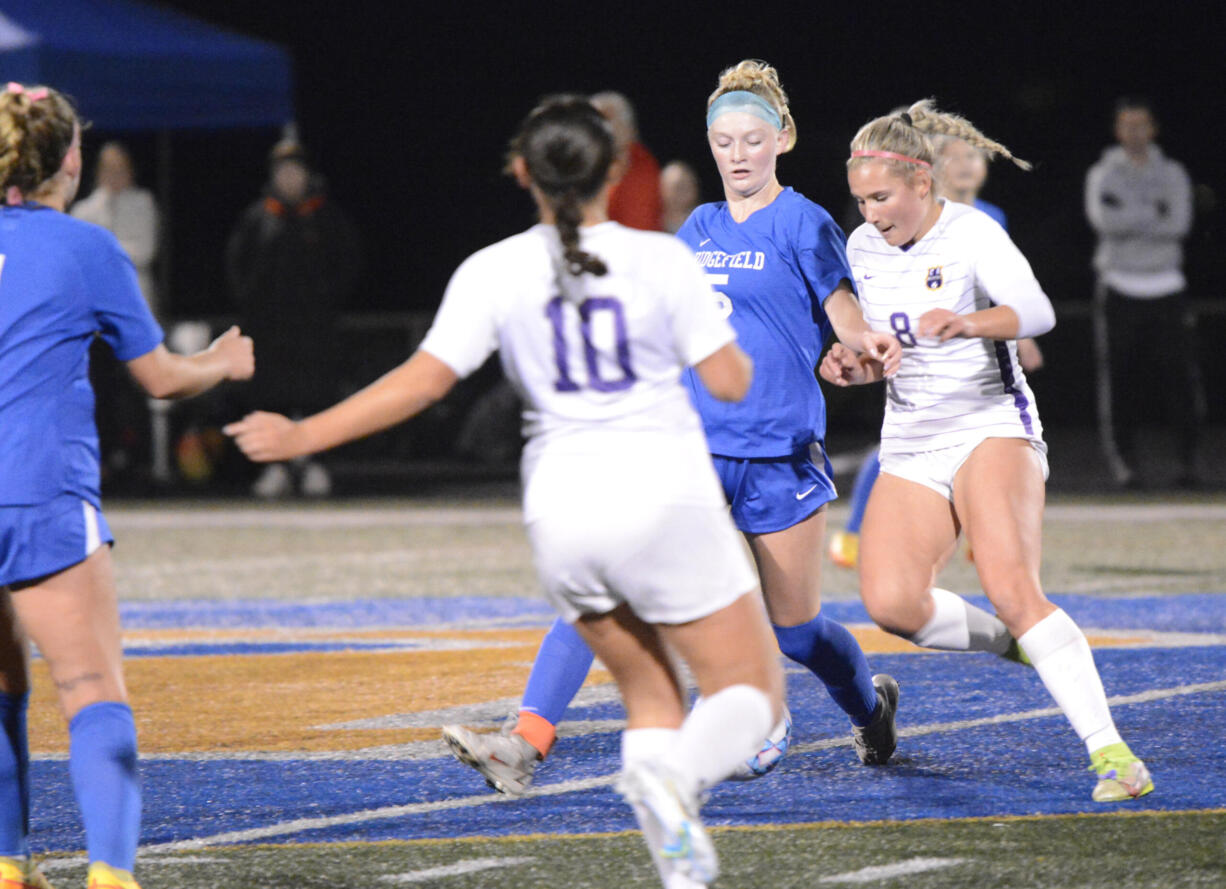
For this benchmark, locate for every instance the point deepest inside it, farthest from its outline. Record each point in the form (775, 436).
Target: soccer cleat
(845, 548)
(21, 873)
(1014, 653)
(507, 761)
(876, 741)
(103, 876)
(684, 842)
(1121, 775)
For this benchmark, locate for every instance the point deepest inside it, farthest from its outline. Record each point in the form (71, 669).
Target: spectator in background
(635, 199)
(130, 214)
(126, 211)
(680, 193)
(1140, 204)
(962, 170)
(293, 261)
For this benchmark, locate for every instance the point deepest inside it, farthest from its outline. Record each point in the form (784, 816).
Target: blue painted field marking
(972, 728)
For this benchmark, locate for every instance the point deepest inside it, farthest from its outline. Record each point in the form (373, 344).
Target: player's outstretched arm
(163, 374)
(726, 373)
(843, 310)
(393, 398)
(843, 367)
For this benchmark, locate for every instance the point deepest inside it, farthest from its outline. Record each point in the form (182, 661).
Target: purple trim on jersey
(1020, 401)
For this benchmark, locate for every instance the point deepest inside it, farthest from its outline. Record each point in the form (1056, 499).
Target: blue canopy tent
(132, 66)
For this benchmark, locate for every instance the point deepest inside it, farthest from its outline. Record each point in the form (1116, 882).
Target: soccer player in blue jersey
(63, 281)
(779, 265)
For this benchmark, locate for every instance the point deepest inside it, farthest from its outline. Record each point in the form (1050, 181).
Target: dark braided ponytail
(568, 148)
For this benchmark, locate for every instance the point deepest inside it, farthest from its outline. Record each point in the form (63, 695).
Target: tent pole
(159, 409)
(164, 163)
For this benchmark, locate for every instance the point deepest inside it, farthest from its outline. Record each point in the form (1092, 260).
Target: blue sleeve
(823, 256)
(115, 300)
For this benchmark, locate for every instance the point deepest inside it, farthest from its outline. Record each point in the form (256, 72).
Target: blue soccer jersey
(773, 273)
(61, 282)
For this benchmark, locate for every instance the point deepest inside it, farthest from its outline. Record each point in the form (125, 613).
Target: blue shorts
(36, 541)
(773, 493)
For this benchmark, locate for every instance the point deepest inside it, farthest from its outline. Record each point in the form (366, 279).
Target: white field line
(1135, 512)
(471, 866)
(890, 871)
(304, 824)
(244, 516)
(300, 824)
(932, 728)
(300, 560)
(232, 516)
(486, 712)
(54, 864)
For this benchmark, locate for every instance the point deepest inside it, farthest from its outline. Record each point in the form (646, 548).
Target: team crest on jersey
(935, 278)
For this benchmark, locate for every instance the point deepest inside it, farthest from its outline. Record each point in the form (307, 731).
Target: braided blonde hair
(37, 126)
(762, 80)
(908, 134)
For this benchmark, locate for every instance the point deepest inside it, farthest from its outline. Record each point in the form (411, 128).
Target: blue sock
(835, 657)
(558, 672)
(102, 762)
(14, 777)
(865, 479)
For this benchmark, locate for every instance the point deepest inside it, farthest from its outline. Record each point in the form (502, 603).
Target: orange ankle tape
(537, 731)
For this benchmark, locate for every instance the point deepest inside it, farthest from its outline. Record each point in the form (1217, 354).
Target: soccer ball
(772, 751)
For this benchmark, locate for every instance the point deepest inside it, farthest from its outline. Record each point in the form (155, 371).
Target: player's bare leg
(910, 531)
(73, 618)
(669, 757)
(999, 493)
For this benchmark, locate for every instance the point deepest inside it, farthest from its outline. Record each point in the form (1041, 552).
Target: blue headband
(746, 102)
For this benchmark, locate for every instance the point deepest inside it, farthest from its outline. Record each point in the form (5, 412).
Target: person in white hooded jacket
(1139, 202)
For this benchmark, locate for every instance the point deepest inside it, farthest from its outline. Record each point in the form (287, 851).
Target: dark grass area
(1162, 851)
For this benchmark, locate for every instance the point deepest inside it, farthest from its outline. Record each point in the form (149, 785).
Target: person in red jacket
(635, 199)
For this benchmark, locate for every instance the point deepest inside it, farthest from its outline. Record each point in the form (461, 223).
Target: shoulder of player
(75, 233)
(863, 237)
(963, 221)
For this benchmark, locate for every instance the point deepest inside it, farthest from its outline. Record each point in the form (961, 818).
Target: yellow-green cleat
(21, 873)
(1121, 775)
(103, 876)
(1014, 653)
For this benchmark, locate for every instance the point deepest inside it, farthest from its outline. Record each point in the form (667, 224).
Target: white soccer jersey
(944, 392)
(597, 360)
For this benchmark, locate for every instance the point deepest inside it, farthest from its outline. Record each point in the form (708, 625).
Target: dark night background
(407, 108)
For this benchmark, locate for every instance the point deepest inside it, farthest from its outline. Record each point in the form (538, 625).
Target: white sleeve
(699, 327)
(465, 330)
(1002, 272)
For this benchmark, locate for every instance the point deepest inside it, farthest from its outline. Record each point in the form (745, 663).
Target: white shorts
(671, 564)
(936, 469)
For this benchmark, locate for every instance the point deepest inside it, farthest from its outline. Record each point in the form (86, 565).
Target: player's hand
(267, 438)
(945, 325)
(842, 367)
(884, 348)
(238, 353)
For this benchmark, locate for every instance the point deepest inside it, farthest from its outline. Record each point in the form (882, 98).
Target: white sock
(1061, 656)
(957, 625)
(719, 734)
(649, 745)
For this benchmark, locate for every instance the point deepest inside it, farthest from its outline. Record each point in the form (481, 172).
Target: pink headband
(33, 95)
(892, 156)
